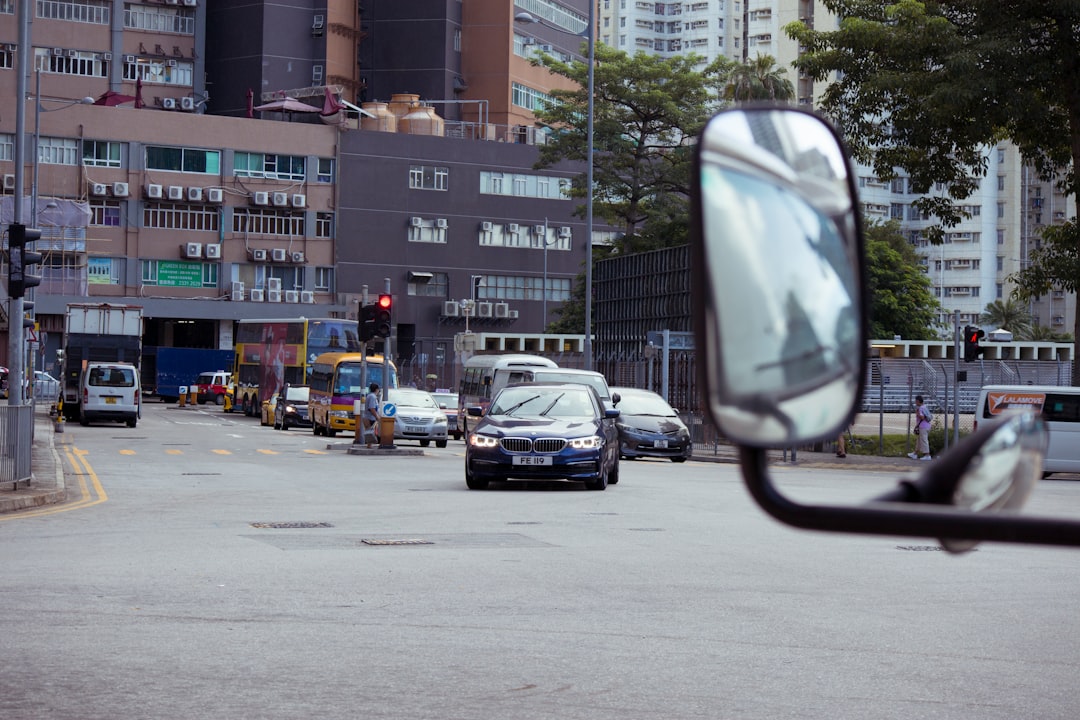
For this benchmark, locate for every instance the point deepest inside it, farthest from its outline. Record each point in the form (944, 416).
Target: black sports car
(649, 427)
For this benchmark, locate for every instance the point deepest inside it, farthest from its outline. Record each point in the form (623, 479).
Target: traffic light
(367, 322)
(19, 259)
(383, 318)
(972, 335)
(28, 307)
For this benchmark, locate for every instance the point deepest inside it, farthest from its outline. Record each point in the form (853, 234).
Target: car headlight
(290, 408)
(440, 419)
(340, 413)
(483, 441)
(586, 443)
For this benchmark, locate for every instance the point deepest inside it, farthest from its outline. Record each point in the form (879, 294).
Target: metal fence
(16, 441)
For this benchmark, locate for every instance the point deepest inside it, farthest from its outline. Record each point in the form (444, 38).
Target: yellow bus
(337, 382)
(271, 353)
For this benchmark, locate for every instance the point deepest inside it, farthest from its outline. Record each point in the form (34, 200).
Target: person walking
(371, 414)
(922, 430)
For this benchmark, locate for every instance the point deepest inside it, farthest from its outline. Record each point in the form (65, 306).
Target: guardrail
(16, 441)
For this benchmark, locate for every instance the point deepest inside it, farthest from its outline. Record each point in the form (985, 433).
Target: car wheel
(83, 421)
(457, 436)
(678, 459)
(284, 425)
(219, 399)
(425, 443)
(475, 483)
(330, 432)
(132, 422)
(600, 482)
(440, 443)
(613, 474)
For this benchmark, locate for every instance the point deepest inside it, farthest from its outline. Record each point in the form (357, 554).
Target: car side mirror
(780, 326)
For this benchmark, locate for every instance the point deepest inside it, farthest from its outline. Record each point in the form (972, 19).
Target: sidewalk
(48, 465)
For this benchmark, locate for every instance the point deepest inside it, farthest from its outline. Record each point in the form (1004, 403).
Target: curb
(47, 484)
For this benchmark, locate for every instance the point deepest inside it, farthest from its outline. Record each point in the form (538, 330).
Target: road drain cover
(413, 541)
(290, 525)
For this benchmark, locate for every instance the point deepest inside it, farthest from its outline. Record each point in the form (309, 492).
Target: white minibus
(482, 373)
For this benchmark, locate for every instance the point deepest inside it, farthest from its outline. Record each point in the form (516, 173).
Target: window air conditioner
(238, 291)
(106, 56)
(191, 3)
(281, 199)
(440, 223)
(129, 58)
(273, 296)
(73, 53)
(296, 256)
(307, 296)
(213, 251)
(486, 226)
(416, 221)
(194, 194)
(260, 198)
(292, 296)
(539, 230)
(98, 188)
(120, 189)
(153, 192)
(512, 315)
(9, 182)
(273, 284)
(467, 309)
(58, 51)
(176, 192)
(168, 103)
(214, 195)
(512, 228)
(299, 200)
(192, 250)
(564, 232)
(258, 255)
(187, 104)
(502, 310)
(170, 62)
(256, 294)
(278, 255)
(450, 308)
(483, 309)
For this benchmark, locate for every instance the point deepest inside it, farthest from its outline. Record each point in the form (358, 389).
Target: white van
(109, 391)
(555, 375)
(1059, 407)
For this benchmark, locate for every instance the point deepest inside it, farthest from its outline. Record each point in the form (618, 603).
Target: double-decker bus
(270, 353)
(337, 383)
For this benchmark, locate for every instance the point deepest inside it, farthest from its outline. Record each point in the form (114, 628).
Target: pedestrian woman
(922, 431)
(371, 414)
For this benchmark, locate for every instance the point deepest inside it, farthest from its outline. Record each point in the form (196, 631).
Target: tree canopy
(898, 291)
(928, 87)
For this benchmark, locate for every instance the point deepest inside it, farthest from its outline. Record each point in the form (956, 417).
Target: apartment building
(171, 194)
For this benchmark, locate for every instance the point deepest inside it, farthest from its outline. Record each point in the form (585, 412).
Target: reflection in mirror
(779, 249)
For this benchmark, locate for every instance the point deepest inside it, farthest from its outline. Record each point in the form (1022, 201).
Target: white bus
(479, 376)
(1059, 407)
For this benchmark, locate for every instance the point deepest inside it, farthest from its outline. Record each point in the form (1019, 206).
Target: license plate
(531, 460)
(413, 429)
(110, 401)
(660, 444)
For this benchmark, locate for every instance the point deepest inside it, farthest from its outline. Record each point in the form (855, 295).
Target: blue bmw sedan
(543, 431)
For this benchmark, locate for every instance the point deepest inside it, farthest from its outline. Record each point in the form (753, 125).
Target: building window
(275, 167)
(425, 177)
(101, 153)
(189, 160)
(96, 12)
(525, 185)
(291, 277)
(168, 216)
(266, 221)
(325, 173)
(104, 271)
(7, 146)
(155, 18)
(528, 98)
(58, 151)
(71, 62)
(170, 71)
(177, 273)
(324, 279)
(427, 231)
(435, 286)
(324, 225)
(105, 213)
(523, 287)
(7, 7)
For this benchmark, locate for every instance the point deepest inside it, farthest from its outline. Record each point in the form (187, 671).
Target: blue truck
(166, 369)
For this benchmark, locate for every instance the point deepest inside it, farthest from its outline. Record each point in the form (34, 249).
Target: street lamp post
(589, 35)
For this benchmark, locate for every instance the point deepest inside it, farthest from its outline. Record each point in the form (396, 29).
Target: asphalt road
(206, 567)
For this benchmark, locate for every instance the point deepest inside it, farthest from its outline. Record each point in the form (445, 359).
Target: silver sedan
(417, 416)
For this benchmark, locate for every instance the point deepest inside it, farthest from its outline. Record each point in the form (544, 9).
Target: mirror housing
(780, 324)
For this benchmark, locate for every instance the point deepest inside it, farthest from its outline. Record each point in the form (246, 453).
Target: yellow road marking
(221, 452)
(268, 452)
(315, 452)
(127, 452)
(81, 469)
(174, 451)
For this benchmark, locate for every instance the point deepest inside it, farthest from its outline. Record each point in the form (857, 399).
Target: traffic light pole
(16, 371)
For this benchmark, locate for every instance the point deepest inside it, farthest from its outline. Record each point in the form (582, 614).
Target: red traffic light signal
(383, 319)
(972, 336)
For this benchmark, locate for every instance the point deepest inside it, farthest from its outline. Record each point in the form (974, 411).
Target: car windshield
(596, 381)
(412, 398)
(447, 399)
(297, 394)
(560, 402)
(644, 404)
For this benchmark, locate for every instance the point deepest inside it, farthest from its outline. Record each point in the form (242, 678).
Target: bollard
(386, 432)
(194, 397)
(183, 397)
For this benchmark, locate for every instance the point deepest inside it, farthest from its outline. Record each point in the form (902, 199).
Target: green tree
(898, 291)
(1008, 315)
(927, 87)
(758, 79)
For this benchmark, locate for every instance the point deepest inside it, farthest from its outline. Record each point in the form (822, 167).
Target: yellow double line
(90, 490)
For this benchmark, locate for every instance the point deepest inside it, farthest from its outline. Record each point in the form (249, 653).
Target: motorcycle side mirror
(780, 325)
